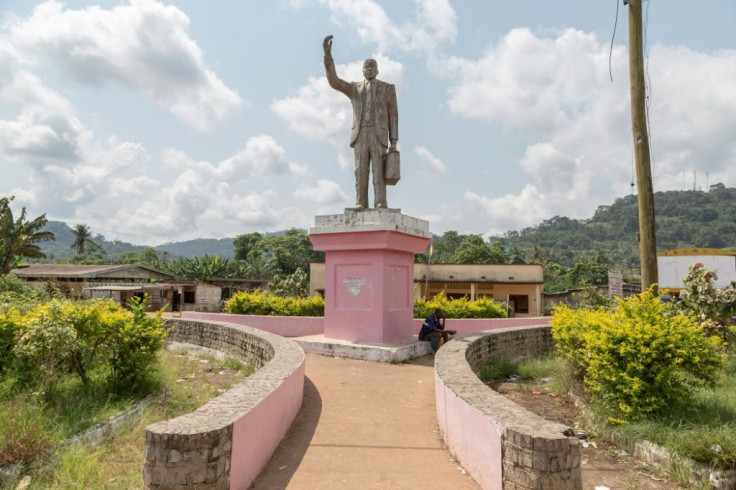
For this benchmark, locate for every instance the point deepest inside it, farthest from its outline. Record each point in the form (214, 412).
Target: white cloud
(509, 211)
(432, 162)
(261, 155)
(325, 192)
(142, 45)
(533, 82)
(206, 198)
(435, 23)
(555, 89)
(693, 111)
(18, 86)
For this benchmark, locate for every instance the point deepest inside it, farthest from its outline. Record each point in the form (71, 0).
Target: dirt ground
(602, 464)
(373, 425)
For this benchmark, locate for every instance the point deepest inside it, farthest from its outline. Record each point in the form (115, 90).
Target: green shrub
(9, 320)
(61, 336)
(459, 308)
(47, 343)
(570, 328)
(642, 358)
(296, 284)
(263, 303)
(713, 307)
(133, 342)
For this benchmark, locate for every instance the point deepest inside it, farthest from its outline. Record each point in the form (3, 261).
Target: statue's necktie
(368, 101)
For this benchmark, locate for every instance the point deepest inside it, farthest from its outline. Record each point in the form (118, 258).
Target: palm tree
(18, 237)
(82, 235)
(256, 267)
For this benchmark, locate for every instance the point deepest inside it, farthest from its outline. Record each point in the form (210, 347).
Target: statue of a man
(375, 125)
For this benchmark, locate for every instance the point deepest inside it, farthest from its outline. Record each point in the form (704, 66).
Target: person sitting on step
(433, 330)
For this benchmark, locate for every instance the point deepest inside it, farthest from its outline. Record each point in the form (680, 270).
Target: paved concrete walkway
(365, 425)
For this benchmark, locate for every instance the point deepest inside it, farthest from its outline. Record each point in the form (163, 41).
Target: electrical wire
(613, 36)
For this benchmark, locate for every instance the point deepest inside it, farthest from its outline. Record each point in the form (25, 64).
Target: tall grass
(118, 464)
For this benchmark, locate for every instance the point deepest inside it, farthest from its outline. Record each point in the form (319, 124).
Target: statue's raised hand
(327, 46)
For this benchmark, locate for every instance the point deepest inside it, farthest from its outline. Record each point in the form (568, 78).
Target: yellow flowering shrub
(62, 336)
(264, 303)
(459, 308)
(570, 329)
(638, 358)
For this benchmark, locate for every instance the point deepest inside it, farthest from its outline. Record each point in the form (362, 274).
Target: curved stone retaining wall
(500, 444)
(301, 326)
(227, 442)
(286, 326)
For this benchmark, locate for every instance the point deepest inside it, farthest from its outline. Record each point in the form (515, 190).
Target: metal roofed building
(121, 283)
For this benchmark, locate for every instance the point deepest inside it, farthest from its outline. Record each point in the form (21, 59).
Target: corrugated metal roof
(114, 288)
(144, 287)
(83, 271)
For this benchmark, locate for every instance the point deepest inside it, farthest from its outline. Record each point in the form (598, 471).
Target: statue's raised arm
(327, 46)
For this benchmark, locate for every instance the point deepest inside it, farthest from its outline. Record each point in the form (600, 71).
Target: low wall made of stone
(228, 441)
(500, 444)
(285, 326)
(302, 326)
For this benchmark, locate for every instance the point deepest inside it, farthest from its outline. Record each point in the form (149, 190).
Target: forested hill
(61, 247)
(683, 219)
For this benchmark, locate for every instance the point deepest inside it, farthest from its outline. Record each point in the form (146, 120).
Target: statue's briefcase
(392, 169)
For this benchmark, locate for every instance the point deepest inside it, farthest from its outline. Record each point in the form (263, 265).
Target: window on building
(189, 296)
(519, 303)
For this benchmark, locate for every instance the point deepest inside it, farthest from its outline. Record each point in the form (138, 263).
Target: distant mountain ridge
(61, 248)
(683, 219)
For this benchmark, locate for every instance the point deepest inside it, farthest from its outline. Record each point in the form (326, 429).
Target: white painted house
(674, 266)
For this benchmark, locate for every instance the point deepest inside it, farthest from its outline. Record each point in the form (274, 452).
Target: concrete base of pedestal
(395, 352)
(369, 273)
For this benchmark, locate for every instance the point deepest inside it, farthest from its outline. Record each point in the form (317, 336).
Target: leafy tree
(584, 273)
(516, 255)
(200, 268)
(82, 236)
(475, 250)
(94, 253)
(18, 236)
(147, 256)
(295, 285)
(445, 246)
(244, 244)
(714, 308)
(256, 267)
(290, 251)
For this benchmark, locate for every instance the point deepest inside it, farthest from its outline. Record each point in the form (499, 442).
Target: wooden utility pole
(645, 191)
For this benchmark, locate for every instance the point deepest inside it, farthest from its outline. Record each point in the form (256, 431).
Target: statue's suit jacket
(385, 110)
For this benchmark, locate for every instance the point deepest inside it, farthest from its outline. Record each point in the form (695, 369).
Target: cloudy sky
(155, 121)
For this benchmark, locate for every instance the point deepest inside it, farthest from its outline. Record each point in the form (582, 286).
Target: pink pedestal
(369, 282)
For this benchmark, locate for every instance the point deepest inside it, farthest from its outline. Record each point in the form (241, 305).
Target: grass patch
(497, 370)
(191, 381)
(545, 373)
(702, 428)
